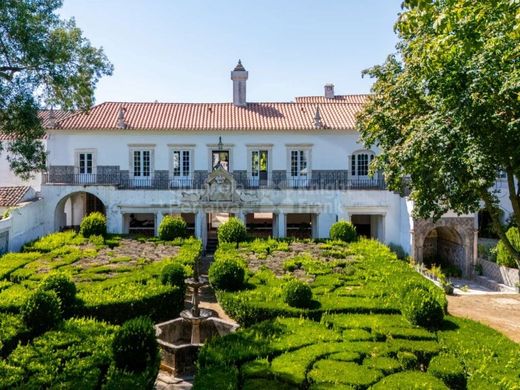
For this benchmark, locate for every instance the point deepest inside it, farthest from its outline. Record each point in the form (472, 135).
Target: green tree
(445, 107)
(44, 61)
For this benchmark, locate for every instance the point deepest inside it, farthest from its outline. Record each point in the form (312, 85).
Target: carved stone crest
(220, 187)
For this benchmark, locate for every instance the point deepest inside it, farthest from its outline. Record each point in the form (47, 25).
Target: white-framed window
(141, 165)
(360, 163)
(259, 164)
(299, 165)
(220, 157)
(181, 166)
(85, 165)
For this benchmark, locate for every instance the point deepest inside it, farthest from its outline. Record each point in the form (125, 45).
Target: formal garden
(77, 311)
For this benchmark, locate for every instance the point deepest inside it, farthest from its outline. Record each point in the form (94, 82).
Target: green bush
(172, 228)
(42, 311)
(449, 370)
(94, 224)
(421, 308)
(297, 294)
(174, 275)
(503, 256)
(343, 231)
(408, 360)
(398, 250)
(96, 240)
(232, 231)
(227, 274)
(64, 288)
(410, 380)
(12, 330)
(135, 347)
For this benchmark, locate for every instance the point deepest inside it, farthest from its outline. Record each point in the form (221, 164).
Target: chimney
(239, 77)
(121, 123)
(51, 120)
(329, 91)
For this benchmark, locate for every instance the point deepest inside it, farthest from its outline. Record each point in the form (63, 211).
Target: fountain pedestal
(180, 339)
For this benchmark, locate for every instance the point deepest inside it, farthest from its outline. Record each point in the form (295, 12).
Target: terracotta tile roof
(354, 99)
(11, 196)
(209, 116)
(44, 117)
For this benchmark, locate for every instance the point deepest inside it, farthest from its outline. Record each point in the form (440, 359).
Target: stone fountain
(181, 338)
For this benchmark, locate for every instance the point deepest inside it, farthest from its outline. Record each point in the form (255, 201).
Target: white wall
(330, 149)
(8, 178)
(25, 223)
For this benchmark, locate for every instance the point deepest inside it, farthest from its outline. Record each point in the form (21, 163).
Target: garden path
(499, 311)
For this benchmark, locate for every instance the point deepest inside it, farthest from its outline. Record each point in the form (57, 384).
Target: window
(142, 163)
(141, 166)
(299, 163)
(259, 167)
(220, 158)
(360, 163)
(85, 166)
(181, 163)
(85, 163)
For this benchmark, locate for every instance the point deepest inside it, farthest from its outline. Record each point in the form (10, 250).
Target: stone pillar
(282, 224)
(315, 225)
(275, 225)
(158, 219)
(201, 227)
(241, 215)
(114, 220)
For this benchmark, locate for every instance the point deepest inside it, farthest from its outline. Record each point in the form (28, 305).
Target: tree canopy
(44, 61)
(445, 107)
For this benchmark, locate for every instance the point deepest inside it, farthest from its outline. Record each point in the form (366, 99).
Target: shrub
(94, 224)
(503, 256)
(172, 228)
(421, 308)
(343, 231)
(297, 294)
(227, 273)
(449, 370)
(96, 240)
(41, 311)
(398, 250)
(134, 346)
(64, 288)
(410, 380)
(173, 274)
(232, 231)
(407, 359)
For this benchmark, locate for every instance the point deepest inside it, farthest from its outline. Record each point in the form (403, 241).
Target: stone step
(494, 285)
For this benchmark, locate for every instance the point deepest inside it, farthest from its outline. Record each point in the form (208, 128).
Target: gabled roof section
(212, 116)
(11, 196)
(352, 99)
(46, 119)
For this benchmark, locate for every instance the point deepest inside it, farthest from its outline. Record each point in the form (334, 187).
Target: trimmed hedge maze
(116, 279)
(354, 336)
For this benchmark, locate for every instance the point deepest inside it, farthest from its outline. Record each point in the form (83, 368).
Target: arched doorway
(443, 246)
(72, 208)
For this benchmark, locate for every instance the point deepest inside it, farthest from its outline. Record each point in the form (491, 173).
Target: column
(201, 227)
(275, 225)
(282, 224)
(315, 225)
(158, 219)
(241, 215)
(114, 220)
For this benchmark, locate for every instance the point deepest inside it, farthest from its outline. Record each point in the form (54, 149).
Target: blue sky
(183, 50)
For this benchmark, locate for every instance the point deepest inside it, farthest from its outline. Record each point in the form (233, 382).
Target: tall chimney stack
(329, 91)
(239, 76)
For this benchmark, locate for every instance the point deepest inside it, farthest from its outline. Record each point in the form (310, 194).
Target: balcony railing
(174, 183)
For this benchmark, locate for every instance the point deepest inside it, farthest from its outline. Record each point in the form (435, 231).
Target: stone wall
(499, 273)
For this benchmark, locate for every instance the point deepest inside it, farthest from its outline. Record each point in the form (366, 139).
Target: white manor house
(287, 169)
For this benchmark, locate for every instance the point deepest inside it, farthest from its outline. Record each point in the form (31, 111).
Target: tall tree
(44, 60)
(445, 107)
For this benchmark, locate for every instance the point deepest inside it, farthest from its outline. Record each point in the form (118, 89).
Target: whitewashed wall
(330, 149)
(8, 178)
(25, 223)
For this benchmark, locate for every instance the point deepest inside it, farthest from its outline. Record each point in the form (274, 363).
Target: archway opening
(74, 207)
(260, 224)
(443, 246)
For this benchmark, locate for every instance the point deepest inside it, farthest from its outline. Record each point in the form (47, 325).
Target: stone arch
(71, 209)
(449, 240)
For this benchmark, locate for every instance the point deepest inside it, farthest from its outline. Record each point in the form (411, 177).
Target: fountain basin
(178, 352)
